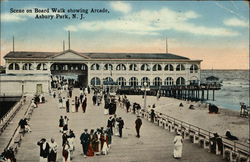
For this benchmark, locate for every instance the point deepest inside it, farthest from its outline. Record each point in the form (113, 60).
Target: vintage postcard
(125, 81)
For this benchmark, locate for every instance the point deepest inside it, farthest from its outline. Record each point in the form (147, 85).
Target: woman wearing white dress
(178, 143)
(105, 145)
(116, 130)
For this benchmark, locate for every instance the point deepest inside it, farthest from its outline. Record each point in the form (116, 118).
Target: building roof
(22, 54)
(42, 55)
(134, 56)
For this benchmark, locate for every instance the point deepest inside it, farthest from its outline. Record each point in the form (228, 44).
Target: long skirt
(116, 130)
(52, 156)
(106, 111)
(90, 150)
(177, 151)
(67, 157)
(73, 109)
(105, 148)
(42, 159)
(71, 144)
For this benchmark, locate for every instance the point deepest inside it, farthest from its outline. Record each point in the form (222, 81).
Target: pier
(184, 92)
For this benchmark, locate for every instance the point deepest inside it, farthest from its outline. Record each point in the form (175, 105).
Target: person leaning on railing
(216, 140)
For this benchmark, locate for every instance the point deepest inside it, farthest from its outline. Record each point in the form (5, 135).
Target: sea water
(235, 88)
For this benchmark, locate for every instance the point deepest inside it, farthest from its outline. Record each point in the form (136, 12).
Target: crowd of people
(96, 141)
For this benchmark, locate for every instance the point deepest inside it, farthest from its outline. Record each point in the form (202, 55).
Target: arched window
(27, 66)
(133, 81)
(194, 68)
(108, 81)
(133, 67)
(121, 67)
(180, 67)
(169, 67)
(83, 67)
(180, 81)
(14, 66)
(95, 81)
(157, 81)
(169, 81)
(95, 67)
(41, 66)
(157, 67)
(145, 67)
(145, 80)
(121, 81)
(108, 67)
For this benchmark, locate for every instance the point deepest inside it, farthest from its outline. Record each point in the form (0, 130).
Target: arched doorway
(73, 74)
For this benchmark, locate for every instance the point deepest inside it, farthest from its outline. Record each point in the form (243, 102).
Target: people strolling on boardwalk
(152, 115)
(120, 126)
(84, 103)
(85, 140)
(8, 155)
(52, 151)
(90, 151)
(111, 124)
(67, 106)
(65, 124)
(44, 150)
(66, 152)
(77, 103)
(138, 123)
(178, 143)
(61, 124)
(71, 140)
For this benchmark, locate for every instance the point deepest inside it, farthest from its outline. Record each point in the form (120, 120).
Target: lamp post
(145, 94)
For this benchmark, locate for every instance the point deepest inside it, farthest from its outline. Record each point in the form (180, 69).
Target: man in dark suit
(67, 105)
(138, 124)
(111, 124)
(44, 149)
(120, 126)
(85, 139)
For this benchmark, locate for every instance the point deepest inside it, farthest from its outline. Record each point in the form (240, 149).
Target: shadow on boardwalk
(155, 144)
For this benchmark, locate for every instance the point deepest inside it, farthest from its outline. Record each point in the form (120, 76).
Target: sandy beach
(226, 119)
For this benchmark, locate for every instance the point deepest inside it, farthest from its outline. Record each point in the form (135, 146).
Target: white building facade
(33, 70)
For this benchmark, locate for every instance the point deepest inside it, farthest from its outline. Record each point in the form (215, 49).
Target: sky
(216, 32)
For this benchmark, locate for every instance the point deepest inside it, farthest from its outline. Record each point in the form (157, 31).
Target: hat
(85, 130)
(138, 116)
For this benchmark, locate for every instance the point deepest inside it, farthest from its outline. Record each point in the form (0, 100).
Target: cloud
(152, 22)
(121, 6)
(6, 17)
(236, 22)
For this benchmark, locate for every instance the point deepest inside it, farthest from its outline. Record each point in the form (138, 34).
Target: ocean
(235, 88)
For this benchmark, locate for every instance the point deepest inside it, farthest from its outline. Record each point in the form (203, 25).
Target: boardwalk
(155, 145)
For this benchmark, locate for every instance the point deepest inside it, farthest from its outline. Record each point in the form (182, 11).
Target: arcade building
(34, 72)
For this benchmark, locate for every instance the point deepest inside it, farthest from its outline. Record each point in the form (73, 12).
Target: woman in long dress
(52, 151)
(90, 147)
(66, 152)
(105, 144)
(71, 140)
(178, 143)
(116, 130)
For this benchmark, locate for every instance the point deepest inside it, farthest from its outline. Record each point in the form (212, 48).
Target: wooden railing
(16, 138)
(232, 151)
(6, 119)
